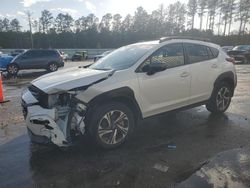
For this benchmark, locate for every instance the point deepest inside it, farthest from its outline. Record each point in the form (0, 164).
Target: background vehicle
(227, 48)
(5, 61)
(137, 81)
(241, 53)
(79, 56)
(36, 59)
(101, 55)
(17, 52)
(64, 56)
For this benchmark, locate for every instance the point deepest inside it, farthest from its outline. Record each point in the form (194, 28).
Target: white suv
(106, 99)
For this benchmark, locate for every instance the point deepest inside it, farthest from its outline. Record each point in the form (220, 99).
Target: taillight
(230, 59)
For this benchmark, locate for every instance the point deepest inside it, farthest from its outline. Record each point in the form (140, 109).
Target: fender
(229, 76)
(123, 94)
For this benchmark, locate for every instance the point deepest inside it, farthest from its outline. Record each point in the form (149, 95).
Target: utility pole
(30, 26)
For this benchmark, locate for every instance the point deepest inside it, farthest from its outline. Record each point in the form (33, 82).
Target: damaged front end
(56, 118)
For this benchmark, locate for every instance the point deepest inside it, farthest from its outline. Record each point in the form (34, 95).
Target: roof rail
(163, 39)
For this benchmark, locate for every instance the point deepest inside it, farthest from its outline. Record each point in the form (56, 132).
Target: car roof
(179, 40)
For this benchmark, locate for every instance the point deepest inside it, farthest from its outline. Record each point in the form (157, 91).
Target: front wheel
(111, 124)
(220, 99)
(12, 69)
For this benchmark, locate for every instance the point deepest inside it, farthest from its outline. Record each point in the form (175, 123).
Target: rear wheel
(220, 99)
(52, 67)
(12, 69)
(111, 125)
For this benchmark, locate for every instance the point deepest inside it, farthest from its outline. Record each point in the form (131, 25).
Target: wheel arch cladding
(123, 95)
(227, 77)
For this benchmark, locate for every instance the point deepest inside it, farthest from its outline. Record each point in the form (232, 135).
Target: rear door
(204, 69)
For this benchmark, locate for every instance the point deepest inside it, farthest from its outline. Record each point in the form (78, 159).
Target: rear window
(198, 53)
(214, 51)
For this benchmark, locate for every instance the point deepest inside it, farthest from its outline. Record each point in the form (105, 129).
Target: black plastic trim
(119, 94)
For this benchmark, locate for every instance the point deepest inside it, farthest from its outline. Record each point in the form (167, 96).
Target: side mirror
(152, 68)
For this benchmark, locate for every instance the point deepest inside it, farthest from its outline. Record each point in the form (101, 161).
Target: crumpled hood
(67, 79)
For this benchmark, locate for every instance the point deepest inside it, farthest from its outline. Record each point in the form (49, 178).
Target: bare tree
(192, 10)
(30, 28)
(116, 22)
(15, 25)
(231, 14)
(46, 20)
(202, 4)
(243, 14)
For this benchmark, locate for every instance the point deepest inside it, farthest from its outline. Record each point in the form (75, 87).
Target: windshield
(122, 58)
(245, 47)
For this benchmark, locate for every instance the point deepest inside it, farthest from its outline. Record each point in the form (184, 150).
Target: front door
(165, 90)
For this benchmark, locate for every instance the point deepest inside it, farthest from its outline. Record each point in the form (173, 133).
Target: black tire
(12, 69)
(97, 123)
(215, 104)
(52, 67)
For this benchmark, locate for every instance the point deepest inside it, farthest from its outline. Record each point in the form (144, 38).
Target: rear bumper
(239, 58)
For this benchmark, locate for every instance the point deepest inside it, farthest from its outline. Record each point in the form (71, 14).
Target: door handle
(214, 66)
(184, 74)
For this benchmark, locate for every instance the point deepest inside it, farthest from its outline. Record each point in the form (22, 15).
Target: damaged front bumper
(41, 123)
(47, 125)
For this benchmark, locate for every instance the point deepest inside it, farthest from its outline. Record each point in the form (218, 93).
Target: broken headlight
(62, 99)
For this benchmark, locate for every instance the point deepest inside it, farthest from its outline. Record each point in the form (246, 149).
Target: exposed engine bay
(58, 117)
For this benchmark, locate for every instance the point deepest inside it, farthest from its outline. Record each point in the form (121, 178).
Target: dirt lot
(211, 151)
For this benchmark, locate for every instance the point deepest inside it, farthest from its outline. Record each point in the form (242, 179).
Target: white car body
(164, 91)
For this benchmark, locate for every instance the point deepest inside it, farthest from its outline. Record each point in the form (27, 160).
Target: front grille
(41, 96)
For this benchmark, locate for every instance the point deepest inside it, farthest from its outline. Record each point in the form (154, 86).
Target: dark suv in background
(241, 53)
(50, 60)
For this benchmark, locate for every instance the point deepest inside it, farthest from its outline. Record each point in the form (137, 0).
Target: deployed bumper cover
(41, 122)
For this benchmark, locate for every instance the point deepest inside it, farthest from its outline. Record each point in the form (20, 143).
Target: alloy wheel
(223, 98)
(12, 69)
(52, 67)
(113, 127)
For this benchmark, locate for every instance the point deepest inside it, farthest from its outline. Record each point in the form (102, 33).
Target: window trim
(137, 70)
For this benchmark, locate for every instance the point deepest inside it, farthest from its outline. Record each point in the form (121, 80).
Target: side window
(49, 53)
(28, 53)
(214, 51)
(171, 54)
(36, 54)
(196, 53)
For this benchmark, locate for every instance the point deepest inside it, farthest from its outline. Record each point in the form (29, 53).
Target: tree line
(226, 22)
